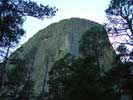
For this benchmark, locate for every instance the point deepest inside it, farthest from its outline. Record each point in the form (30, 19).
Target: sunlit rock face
(53, 42)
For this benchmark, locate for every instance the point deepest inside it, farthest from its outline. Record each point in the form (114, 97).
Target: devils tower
(53, 42)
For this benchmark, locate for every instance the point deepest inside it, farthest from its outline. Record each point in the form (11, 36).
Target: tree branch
(125, 43)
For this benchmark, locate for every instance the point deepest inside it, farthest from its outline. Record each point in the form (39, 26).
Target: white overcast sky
(89, 9)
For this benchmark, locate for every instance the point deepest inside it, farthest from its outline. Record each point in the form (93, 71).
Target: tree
(17, 85)
(120, 17)
(80, 80)
(122, 52)
(121, 74)
(12, 16)
(92, 42)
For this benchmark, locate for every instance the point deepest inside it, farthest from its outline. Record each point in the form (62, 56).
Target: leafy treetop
(120, 16)
(12, 17)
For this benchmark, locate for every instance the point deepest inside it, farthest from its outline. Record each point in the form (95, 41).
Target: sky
(89, 9)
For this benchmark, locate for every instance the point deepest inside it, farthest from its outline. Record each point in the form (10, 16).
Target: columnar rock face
(53, 42)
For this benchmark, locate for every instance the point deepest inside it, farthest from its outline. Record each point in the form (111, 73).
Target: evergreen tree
(12, 16)
(121, 73)
(17, 86)
(80, 79)
(120, 17)
(90, 44)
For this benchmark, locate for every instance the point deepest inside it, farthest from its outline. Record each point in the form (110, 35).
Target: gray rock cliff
(53, 42)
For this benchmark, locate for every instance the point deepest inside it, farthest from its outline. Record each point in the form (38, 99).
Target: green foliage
(123, 52)
(17, 85)
(27, 93)
(17, 74)
(79, 79)
(14, 84)
(12, 17)
(121, 74)
(120, 18)
(90, 43)
(120, 24)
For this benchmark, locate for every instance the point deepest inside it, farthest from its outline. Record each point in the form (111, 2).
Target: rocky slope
(53, 42)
